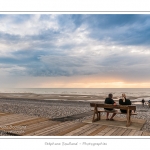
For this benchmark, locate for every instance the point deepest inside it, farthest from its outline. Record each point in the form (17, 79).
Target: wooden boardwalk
(24, 125)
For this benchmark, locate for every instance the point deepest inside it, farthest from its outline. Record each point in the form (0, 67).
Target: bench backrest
(124, 107)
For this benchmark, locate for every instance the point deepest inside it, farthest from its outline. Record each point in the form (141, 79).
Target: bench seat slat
(124, 107)
(115, 112)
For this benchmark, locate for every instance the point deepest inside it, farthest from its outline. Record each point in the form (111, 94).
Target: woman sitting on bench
(124, 101)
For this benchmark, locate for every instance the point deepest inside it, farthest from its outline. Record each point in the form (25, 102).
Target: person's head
(110, 95)
(123, 97)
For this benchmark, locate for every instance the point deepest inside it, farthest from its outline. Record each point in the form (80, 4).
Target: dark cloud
(66, 45)
(9, 37)
(121, 29)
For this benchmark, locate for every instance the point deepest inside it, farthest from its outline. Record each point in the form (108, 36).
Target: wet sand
(49, 96)
(69, 97)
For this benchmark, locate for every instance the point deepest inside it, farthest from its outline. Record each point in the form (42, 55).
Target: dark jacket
(127, 102)
(109, 101)
(143, 101)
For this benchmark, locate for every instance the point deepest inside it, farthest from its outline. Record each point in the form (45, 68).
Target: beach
(55, 106)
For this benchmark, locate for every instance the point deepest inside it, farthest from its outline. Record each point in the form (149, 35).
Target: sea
(138, 93)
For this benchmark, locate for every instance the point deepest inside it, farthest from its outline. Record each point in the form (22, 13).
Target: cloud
(23, 25)
(120, 29)
(75, 45)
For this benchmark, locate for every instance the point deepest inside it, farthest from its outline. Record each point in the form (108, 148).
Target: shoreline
(66, 97)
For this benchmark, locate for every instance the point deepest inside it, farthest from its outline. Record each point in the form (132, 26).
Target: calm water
(138, 93)
(83, 91)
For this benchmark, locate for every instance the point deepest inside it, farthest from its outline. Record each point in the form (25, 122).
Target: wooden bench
(129, 109)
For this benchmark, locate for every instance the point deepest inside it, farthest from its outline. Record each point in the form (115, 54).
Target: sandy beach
(56, 106)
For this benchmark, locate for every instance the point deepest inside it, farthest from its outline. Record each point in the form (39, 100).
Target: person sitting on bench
(109, 100)
(124, 101)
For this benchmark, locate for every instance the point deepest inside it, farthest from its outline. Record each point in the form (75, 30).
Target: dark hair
(110, 95)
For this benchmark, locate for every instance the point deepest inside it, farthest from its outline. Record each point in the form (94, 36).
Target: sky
(74, 51)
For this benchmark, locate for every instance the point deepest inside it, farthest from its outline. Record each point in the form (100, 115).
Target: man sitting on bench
(109, 100)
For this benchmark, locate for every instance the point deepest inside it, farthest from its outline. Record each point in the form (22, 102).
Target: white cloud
(32, 26)
(8, 70)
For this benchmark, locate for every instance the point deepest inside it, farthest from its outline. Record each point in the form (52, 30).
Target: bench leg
(99, 115)
(93, 117)
(128, 118)
(95, 113)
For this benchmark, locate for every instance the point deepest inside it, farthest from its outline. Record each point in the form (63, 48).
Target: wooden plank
(5, 118)
(77, 130)
(60, 128)
(108, 128)
(12, 118)
(36, 127)
(132, 107)
(69, 129)
(111, 131)
(98, 130)
(84, 130)
(54, 129)
(124, 107)
(117, 112)
(116, 132)
(18, 121)
(90, 131)
(4, 114)
(23, 124)
(29, 121)
(43, 131)
(121, 132)
(22, 131)
(126, 132)
(132, 133)
(138, 133)
(145, 133)
(9, 115)
(103, 132)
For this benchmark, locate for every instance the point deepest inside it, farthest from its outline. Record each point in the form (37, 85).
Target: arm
(114, 103)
